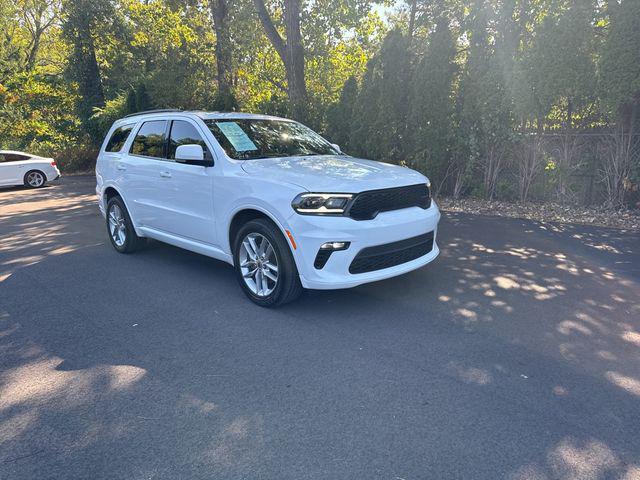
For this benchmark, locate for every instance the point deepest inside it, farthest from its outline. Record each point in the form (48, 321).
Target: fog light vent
(325, 252)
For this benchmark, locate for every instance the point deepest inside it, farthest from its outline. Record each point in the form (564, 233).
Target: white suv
(268, 195)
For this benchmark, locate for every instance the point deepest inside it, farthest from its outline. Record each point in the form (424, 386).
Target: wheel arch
(111, 191)
(245, 214)
(44, 175)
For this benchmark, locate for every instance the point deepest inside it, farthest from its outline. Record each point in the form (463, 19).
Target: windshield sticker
(236, 136)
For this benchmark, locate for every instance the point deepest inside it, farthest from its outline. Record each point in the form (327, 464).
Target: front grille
(391, 254)
(367, 205)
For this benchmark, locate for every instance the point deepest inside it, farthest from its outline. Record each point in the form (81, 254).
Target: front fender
(276, 217)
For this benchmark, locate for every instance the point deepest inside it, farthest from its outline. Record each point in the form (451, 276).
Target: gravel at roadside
(549, 212)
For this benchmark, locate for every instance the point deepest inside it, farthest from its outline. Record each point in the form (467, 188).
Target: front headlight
(321, 203)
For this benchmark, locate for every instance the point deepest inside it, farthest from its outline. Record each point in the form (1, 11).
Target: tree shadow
(514, 355)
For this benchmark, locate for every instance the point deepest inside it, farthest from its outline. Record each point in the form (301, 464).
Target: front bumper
(310, 232)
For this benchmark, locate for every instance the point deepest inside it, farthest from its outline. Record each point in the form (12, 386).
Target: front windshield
(246, 139)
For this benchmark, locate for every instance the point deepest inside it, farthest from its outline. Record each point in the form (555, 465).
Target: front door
(186, 191)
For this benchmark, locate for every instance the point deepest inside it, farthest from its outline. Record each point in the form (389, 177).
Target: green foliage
(123, 104)
(620, 62)
(37, 113)
(78, 157)
(381, 108)
(562, 67)
(431, 106)
(454, 101)
(79, 28)
(341, 117)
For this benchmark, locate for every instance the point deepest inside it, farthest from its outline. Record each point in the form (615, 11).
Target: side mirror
(337, 147)
(192, 154)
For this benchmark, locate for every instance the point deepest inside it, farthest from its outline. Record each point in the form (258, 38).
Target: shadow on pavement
(515, 355)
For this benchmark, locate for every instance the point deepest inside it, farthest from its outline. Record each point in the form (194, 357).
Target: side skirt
(187, 244)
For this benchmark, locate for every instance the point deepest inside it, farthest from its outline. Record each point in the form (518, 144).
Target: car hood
(333, 173)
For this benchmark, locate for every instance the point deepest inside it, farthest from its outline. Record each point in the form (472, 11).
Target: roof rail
(161, 110)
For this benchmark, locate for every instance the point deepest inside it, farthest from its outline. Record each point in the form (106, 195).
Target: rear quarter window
(118, 138)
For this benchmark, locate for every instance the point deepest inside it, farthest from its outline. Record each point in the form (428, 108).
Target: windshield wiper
(266, 155)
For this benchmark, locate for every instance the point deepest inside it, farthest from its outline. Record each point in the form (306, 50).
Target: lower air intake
(375, 258)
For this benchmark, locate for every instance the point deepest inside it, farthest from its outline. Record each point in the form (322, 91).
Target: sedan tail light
(53, 163)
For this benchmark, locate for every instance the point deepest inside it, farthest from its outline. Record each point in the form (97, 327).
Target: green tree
(620, 63)
(290, 50)
(341, 115)
(10, 51)
(431, 106)
(620, 92)
(484, 109)
(382, 106)
(563, 69)
(225, 99)
(37, 16)
(563, 74)
(80, 18)
(297, 30)
(163, 54)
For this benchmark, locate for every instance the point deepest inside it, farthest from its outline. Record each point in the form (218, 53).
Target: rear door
(110, 164)
(185, 192)
(140, 169)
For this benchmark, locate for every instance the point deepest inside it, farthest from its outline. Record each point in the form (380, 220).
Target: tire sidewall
(284, 258)
(130, 232)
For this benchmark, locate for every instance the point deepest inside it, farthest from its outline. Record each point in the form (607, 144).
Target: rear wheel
(264, 265)
(120, 228)
(34, 179)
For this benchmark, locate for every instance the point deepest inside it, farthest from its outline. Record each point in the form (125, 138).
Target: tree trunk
(219, 11)
(33, 52)
(295, 66)
(37, 18)
(412, 19)
(290, 52)
(567, 153)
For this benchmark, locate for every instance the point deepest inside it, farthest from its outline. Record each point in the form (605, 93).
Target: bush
(77, 159)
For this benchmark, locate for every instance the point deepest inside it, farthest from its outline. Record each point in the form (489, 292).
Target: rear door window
(183, 133)
(118, 138)
(150, 139)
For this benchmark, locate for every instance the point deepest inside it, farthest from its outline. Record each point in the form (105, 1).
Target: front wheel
(264, 265)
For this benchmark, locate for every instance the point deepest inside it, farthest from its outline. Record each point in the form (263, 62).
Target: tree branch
(270, 29)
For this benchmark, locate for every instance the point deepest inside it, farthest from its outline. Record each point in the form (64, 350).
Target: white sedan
(20, 168)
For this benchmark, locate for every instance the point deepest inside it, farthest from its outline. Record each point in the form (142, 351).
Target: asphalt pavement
(516, 354)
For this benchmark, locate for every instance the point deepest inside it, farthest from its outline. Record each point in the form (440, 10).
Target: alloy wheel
(258, 264)
(35, 179)
(117, 226)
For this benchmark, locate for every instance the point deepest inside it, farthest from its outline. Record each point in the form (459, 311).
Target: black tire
(132, 241)
(37, 174)
(288, 286)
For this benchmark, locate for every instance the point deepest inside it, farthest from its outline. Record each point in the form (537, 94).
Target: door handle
(165, 174)
(120, 166)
